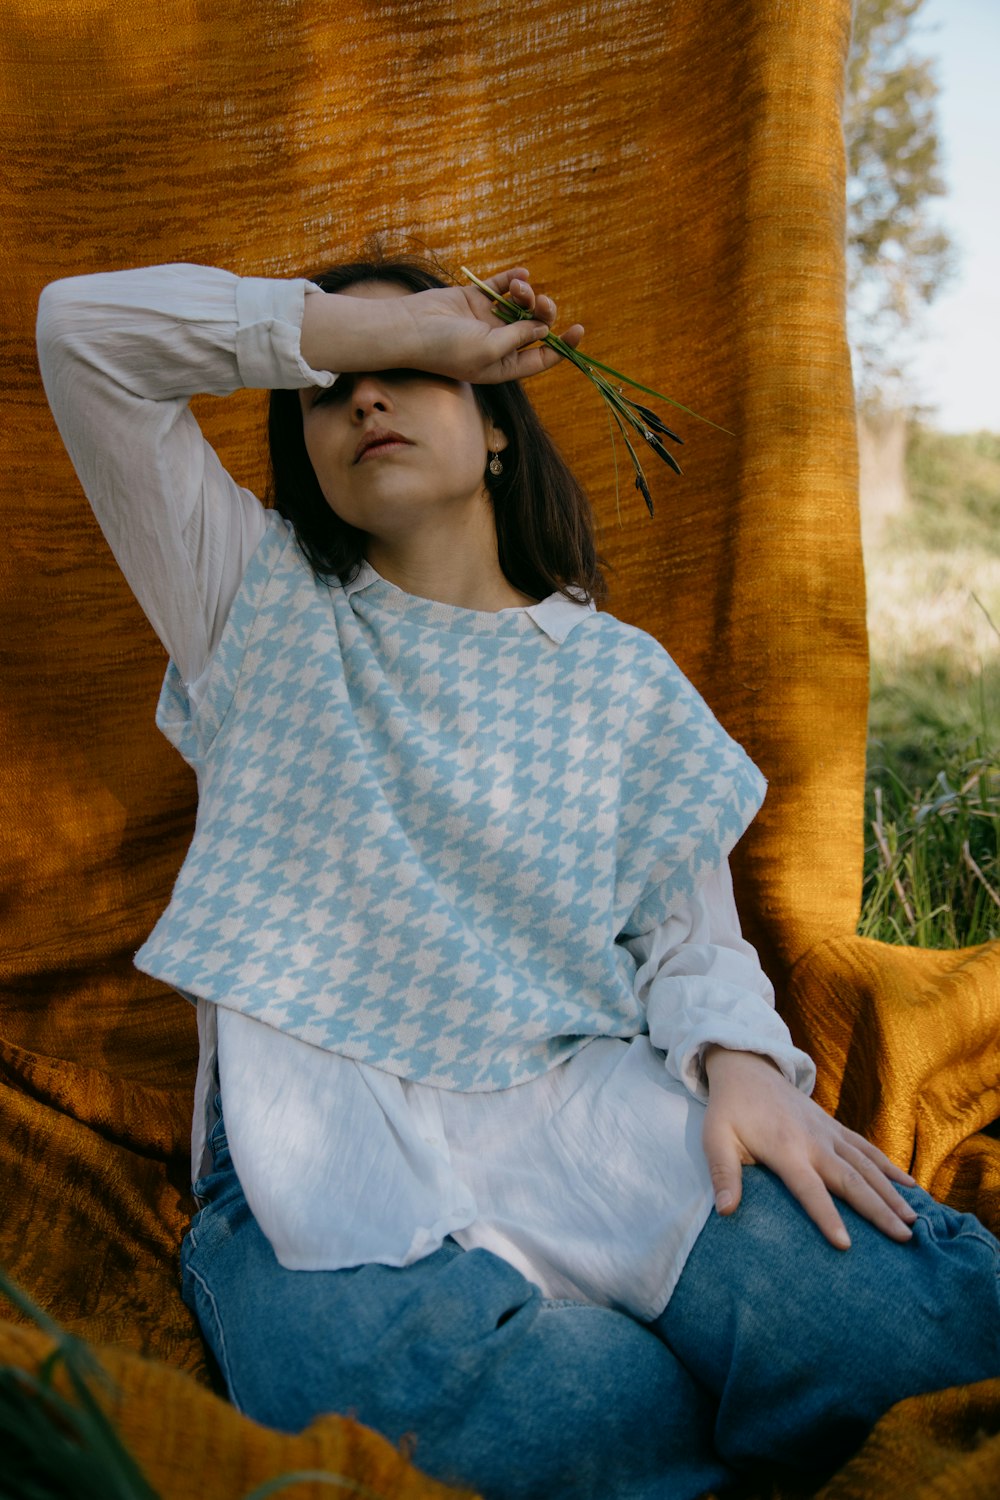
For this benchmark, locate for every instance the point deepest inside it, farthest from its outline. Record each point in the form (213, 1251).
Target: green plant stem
(614, 456)
(585, 362)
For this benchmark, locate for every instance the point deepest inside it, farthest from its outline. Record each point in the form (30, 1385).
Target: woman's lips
(374, 443)
(374, 449)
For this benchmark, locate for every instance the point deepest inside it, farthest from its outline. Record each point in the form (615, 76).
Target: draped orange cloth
(674, 173)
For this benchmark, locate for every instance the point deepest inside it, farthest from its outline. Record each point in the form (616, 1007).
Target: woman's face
(394, 449)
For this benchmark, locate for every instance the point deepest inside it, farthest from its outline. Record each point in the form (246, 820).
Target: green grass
(932, 855)
(954, 482)
(932, 805)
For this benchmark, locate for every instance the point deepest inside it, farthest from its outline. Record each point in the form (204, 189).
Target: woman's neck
(448, 568)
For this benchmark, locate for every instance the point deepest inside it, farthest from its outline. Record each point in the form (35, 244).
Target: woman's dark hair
(545, 528)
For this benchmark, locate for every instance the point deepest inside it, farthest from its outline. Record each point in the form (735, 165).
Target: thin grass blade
(312, 1476)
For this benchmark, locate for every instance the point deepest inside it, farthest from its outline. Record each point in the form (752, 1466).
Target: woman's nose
(369, 394)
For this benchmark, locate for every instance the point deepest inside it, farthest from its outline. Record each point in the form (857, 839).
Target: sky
(958, 365)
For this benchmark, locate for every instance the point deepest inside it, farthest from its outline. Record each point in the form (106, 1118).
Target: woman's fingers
(516, 287)
(529, 356)
(725, 1164)
(545, 310)
(516, 353)
(849, 1176)
(856, 1182)
(502, 280)
(806, 1184)
(756, 1115)
(516, 350)
(726, 1167)
(866, 1199)
(874, 1174)
(878, 1158)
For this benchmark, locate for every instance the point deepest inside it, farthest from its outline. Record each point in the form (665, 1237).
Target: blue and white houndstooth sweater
(421, 829)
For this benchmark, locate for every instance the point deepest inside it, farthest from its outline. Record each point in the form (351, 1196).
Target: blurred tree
(898, 256)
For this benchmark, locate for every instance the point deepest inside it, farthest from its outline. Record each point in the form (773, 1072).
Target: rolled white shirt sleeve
(702, 985)
(121, 353)
(268, 333)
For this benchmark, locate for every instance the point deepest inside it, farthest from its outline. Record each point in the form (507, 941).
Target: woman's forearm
(703, 985)
(450, 331)
(341, 332)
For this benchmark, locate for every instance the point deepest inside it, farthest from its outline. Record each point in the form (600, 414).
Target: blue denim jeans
(775, 1349)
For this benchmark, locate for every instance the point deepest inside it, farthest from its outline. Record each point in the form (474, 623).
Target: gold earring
(496, 467)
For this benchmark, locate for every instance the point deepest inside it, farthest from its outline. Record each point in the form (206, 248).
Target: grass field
(932, 811)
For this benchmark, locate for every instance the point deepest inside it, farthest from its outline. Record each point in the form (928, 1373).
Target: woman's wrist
(718, 1057)
(352, 333)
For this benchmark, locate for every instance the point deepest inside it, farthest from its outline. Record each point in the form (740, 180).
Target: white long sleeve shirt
(591, 1179)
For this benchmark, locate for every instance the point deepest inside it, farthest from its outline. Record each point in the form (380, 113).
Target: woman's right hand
(755, 1115)
(451, 331)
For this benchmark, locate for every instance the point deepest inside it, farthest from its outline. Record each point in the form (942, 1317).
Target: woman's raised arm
(121, 353)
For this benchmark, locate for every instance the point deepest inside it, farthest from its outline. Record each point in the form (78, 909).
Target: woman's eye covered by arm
(342, 387)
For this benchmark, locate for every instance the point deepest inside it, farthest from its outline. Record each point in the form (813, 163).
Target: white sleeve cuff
(268, 334)
(749, 1027)
(702, 985)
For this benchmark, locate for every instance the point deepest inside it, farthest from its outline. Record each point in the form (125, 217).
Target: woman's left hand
(515, 286)
(755, 1115)
(458, 333)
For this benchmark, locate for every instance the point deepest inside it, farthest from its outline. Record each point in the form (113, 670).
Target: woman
(458, 923)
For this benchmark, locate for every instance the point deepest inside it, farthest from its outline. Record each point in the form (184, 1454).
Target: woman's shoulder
(629, 642)
(638, 670)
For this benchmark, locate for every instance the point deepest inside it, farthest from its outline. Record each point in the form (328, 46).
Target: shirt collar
(555, 616)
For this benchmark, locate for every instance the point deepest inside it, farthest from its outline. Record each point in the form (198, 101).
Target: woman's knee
(923, 1314)
(496, 1388)
(950, 1291)
(797, 1338)
(390, 1345)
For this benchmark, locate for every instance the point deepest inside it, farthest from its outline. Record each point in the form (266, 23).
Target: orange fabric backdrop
(675, 176)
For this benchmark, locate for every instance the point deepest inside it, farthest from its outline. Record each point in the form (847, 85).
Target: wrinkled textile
(193, 1442)
(678, 185)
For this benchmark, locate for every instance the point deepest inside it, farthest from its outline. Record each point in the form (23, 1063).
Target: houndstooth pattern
(422, 828)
